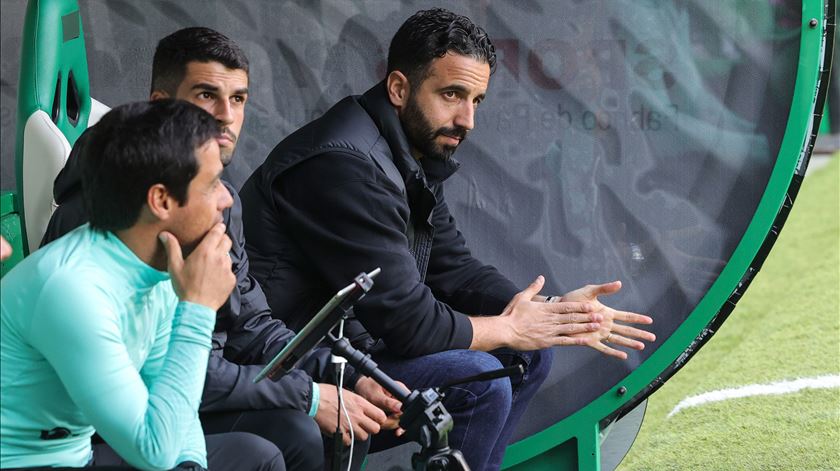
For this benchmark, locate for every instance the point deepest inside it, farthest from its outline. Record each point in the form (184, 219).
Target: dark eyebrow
(212, 88)
(205, 86)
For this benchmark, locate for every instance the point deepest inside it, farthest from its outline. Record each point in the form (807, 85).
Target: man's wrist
(506, 328)
(490, 333)
(316, 399)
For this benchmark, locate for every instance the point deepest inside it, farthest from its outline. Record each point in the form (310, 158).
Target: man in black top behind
(362, 187)
(208, 69)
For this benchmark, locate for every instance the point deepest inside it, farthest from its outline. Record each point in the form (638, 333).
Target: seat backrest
(54, 106)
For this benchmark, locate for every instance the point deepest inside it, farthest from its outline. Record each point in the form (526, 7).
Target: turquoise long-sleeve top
(92, 338)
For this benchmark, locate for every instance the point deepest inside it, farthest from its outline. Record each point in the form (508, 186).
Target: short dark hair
(429, 35)
(187, 45)
(135, 146)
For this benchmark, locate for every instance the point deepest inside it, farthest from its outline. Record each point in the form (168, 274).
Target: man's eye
(450, 95)
(205, 95)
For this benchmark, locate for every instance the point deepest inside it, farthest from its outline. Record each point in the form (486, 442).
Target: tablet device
(316, 329)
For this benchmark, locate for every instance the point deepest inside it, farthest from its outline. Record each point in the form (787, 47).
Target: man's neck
(143, 241)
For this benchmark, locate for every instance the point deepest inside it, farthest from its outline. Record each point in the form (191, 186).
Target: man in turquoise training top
(109, 328)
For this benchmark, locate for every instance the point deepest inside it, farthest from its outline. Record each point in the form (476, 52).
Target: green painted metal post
(589, 449)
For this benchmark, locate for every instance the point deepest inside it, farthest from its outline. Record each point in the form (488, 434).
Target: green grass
(786, 326)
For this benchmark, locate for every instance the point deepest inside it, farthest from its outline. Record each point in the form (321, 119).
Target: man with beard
(109, 328)
(362, 187)
(208, 69)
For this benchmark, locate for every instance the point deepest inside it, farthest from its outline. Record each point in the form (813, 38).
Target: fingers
(620, 336)
(578, 328)
(633, 332)
(374, 414)
(345, 434)
(392, 423)
(592, 341)
(369, 415)
(573, 311)
(622, 341)
(632, 317)
(533, 289)
(605, 289)
(392, 404)
(224, 245)
(366, 418)
(379, 396)
(205, 276)
(215, 238)
(565, 341)
(174, 258)
(601, 345)
(386, 402)
(224, 242)
(525, 295)
(364, 424)
(609, 351)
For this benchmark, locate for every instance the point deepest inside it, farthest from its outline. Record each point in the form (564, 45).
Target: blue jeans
(485, 413)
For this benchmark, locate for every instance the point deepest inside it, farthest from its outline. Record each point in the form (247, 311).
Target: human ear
(158, 95)
(398, 88)
(160, 202)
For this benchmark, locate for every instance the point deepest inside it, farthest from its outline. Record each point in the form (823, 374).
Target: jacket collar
(137, 272)
(427, 171)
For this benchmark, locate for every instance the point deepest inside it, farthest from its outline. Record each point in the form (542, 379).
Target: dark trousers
(225, 452)
(485, 413)
(293, 432)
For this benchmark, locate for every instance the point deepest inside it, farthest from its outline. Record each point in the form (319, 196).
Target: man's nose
(226, 200)
(223, 112)
(465, 117)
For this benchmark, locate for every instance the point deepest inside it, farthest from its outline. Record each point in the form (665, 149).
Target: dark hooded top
(245, 337)
(322, 208)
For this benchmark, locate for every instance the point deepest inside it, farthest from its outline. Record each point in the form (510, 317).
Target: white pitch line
(780, 387)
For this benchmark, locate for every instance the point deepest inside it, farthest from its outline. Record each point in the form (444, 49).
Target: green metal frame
(47, 58)
(574, 442)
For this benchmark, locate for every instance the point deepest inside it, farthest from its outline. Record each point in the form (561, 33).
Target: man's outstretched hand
(526, 324)
(610, 331)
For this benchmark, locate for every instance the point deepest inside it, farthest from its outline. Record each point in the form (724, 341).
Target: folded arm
(146, 422)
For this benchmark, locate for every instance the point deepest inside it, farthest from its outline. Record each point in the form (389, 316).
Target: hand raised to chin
(205, 277)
